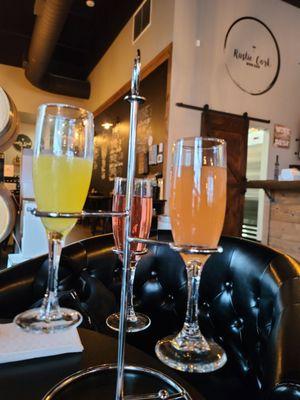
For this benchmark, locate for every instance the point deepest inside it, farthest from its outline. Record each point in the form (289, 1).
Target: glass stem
(50, 307)
(130, 311)
(190, 337)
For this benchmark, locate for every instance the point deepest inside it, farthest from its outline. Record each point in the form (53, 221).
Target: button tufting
(228, 285)
(238, 323)
(205, 305)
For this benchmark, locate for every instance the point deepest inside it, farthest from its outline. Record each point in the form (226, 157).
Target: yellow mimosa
(61, 184)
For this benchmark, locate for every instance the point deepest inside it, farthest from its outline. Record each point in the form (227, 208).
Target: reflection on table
(36, 377)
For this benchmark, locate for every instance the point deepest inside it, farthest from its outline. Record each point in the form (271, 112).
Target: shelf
(272, 185)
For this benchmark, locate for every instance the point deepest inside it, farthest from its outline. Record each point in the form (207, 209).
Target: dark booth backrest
(248, 295)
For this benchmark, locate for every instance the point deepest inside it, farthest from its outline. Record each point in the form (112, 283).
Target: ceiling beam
(295, 3)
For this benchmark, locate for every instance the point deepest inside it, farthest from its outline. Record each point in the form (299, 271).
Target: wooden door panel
(234, 130)
(235, 148)
(234, 217)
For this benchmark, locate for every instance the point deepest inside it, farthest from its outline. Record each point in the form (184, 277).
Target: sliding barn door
(233, 129)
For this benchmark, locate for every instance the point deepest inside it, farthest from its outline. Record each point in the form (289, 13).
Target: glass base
(141, 322)
(34, 321)
(198, 360)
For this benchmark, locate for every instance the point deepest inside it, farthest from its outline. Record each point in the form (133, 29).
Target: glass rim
(64, 105)
(219, 142)
(119, 178)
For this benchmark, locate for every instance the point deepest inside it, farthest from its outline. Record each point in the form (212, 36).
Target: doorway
(256, 207)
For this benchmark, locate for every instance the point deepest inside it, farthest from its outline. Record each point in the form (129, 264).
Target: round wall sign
(22, 142)
(252, 55)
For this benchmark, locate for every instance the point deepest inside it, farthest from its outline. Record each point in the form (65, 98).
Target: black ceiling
(295, 3)
(86, 36)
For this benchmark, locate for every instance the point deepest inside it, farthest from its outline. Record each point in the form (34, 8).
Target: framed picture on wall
(160, 158)
(282, 136)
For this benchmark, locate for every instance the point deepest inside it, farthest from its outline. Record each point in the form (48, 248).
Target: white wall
(184, 75)
(114, 69)
(281, 103)
(27, 97)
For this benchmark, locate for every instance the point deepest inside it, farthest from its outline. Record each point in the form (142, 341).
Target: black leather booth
(249, 302)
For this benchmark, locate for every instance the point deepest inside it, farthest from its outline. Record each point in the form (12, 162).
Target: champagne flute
(140, 227)
(197, 211)
(62, 169)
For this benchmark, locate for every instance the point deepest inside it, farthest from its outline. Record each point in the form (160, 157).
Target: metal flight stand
(163, 387)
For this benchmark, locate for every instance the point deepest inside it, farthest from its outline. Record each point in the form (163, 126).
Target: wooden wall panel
(284, 228)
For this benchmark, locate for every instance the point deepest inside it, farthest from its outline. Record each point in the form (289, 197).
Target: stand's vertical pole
(134, 100)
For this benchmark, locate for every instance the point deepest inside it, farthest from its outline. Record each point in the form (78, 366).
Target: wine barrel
(8, 212)
(9, 121)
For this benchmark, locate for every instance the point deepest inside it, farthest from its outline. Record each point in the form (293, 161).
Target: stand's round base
(142, 322)
(197, 362)
(33, 321)
(100, 383)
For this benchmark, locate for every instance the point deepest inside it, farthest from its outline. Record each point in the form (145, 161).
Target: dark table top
(97, 196)
(32, 379)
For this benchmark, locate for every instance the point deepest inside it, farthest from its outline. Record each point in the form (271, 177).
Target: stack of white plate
(9, 121)
(9, 124)
(8, 212)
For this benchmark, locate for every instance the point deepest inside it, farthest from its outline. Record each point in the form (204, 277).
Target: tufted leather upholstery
(249, 301)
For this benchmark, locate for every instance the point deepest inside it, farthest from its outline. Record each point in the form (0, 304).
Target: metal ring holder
(170, 388)
(173, 390)
(135, 253)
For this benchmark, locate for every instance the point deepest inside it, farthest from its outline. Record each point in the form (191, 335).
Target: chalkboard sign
(111, 139)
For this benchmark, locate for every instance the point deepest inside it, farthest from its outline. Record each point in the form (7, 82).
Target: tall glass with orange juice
(197, 212)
